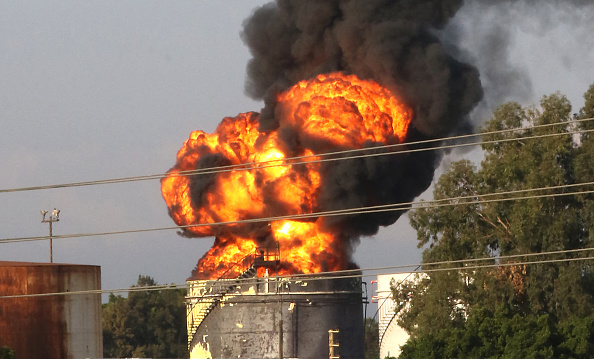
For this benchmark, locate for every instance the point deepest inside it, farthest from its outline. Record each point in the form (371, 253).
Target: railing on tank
(267, 257)
(204, 295)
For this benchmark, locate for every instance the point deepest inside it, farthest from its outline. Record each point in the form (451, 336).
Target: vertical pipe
(280, 338)
(295, 320)
(280, 323)
(51, 244)
(333, 345)
(330, 344)
(267, 282)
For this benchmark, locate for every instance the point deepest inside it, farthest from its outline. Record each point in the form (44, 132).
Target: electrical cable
(287, 161)
(344, 274)
(340, 212)
(290, 160)
(372, 209)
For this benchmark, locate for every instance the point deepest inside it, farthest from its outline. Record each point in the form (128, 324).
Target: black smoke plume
(392, 42)
(413, 47)
(395, 43)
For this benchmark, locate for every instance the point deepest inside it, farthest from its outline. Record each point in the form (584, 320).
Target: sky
(111, 89)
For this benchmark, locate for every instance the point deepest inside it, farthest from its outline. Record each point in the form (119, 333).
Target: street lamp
(54, 217)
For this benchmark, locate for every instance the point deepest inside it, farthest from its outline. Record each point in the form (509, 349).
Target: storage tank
(302, 317)
(57, 326)
(391, 335)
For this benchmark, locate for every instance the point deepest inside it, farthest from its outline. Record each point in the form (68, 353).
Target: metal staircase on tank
(210, 296)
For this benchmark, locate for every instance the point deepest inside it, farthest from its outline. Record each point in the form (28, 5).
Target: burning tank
(306, 317)
(350, 88)
(239, 175)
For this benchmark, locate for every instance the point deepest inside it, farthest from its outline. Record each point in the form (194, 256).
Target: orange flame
(248, 173)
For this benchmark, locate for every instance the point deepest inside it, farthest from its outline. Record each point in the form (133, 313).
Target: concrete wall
(64, 326)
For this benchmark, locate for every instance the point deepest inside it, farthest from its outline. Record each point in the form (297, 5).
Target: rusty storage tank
(298, 317)
(57, 326)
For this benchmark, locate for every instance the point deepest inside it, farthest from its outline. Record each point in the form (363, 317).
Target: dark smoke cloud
(396, 43)
(392, 42)
(430, 52)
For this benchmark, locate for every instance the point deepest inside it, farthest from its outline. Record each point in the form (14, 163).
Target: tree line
(512, 309)
(146, 324)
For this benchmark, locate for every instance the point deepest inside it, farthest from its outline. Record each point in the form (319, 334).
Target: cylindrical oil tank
(65, 326)
(262, 317)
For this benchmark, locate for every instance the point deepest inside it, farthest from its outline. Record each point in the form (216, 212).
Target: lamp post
(53, 217)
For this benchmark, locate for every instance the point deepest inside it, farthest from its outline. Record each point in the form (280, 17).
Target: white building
(391, 336)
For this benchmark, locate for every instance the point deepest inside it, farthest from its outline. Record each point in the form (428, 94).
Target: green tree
(546, 307)
(6, 352)
(371, 339)
(146, 324)
(505, 334)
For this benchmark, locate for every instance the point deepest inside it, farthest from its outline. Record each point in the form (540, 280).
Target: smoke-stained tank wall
(60, 327)
(249, 320)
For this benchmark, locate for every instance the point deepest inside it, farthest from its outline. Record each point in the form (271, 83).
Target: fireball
(242, 173)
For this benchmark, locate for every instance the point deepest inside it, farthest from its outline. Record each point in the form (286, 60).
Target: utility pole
(54, 217)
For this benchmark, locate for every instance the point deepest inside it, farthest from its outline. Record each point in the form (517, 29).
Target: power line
(372, 209)
(299, 160)
(97, 291)
(287, 161)
(445, 202)
(344, 274)
(361, 210)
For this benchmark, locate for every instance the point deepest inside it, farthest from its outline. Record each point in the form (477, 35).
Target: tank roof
(40, 264)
